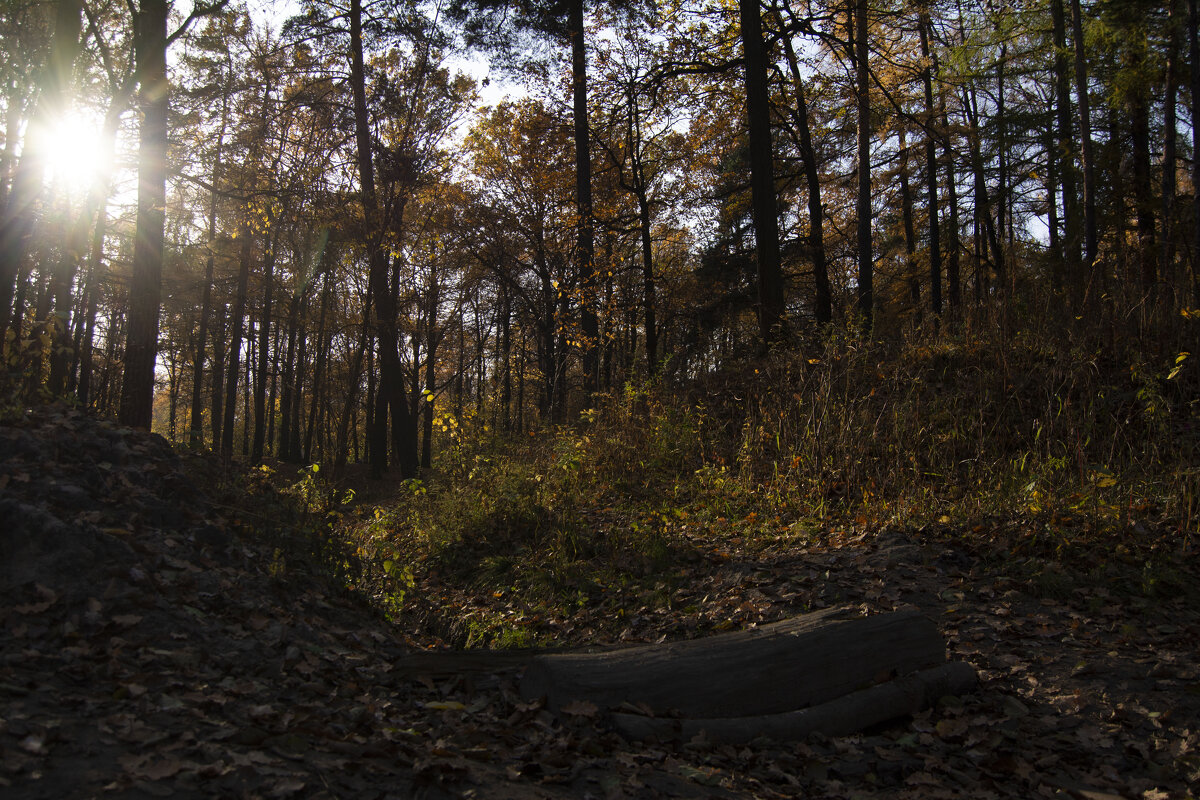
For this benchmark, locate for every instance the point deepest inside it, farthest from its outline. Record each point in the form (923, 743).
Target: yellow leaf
(445, 705)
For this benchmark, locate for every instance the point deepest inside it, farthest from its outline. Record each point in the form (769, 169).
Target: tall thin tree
(762, 175)
(145, 288)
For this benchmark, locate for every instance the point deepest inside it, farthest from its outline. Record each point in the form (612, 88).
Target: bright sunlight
(76, 153)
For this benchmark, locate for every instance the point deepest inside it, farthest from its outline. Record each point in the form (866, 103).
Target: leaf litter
(147, 650)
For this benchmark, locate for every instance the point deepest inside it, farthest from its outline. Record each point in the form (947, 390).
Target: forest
(545, 325)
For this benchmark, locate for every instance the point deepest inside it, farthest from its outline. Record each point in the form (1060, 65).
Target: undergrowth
(1055, 460)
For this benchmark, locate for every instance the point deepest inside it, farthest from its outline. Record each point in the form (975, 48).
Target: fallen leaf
(445, 705)
(580, 708)
(34, 744)
(159, 770)
(287, 787)
(951, 728)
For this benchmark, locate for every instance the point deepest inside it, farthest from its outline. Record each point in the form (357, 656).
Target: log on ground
(838, 717)
(781, 667)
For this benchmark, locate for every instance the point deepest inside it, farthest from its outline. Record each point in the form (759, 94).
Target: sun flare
(75, 152)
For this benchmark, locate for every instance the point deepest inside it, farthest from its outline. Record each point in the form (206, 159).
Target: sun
(75, 151)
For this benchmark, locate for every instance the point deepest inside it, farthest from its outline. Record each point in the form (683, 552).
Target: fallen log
(784, 666)
(847, 714)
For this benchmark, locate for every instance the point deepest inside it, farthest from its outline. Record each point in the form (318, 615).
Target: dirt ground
(150, 646)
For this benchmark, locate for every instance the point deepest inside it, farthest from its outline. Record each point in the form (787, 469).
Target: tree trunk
(297, 413)
(842, 716)
(264, 343)
(273, 393)
(1194, 59)
(823, 296)
(1058, 268)
(218, 377)
(782, 667)
(910, 231)
(288, 388)
(506, 344)
(172, 392)
(988, 238)
(641, 193)
(1169, 161)
(323, 345)
(1000, 120)
(1143, 189)
(348, 410)
(1090, 236)
(196, 427)
(953, 268)
(866, 267)
(1071, 255)
(931, 180)
(427, 421)
(145, 288)
(19, 211)
(762, 175)
(235, 342)
(96, 269)
(589, 325)
(251, 357)
(391, 379)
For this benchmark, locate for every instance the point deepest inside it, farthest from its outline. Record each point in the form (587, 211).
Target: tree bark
(145, 288)
(1169, 162)
(1003, 194)
(391, 379)
(348, 410)
(762, 175)
(988, 238)
(95, 271)
(866, 267)
(196, 426)
(841, 716)
(954, 243)
(1058, 269)
(1090, 236)
(288, 388)
(218, 376)
(235, 342)
(1071, 255)
(931, 179)
(248, 383)
(784, 666)
(1194, 59)
(589, 324)
(264, 344)
(823, 296)
(641, 193)
(319, 370)
(1143, 189)
(910, 232)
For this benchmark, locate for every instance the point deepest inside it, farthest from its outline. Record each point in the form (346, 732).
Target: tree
(823, 301)
(1090, 236)
(145, 290)
(866, 294)
(1194, 59)
(392, 399)
(1065, 149)
(18, 215)
(559, 19)
(762, 174)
